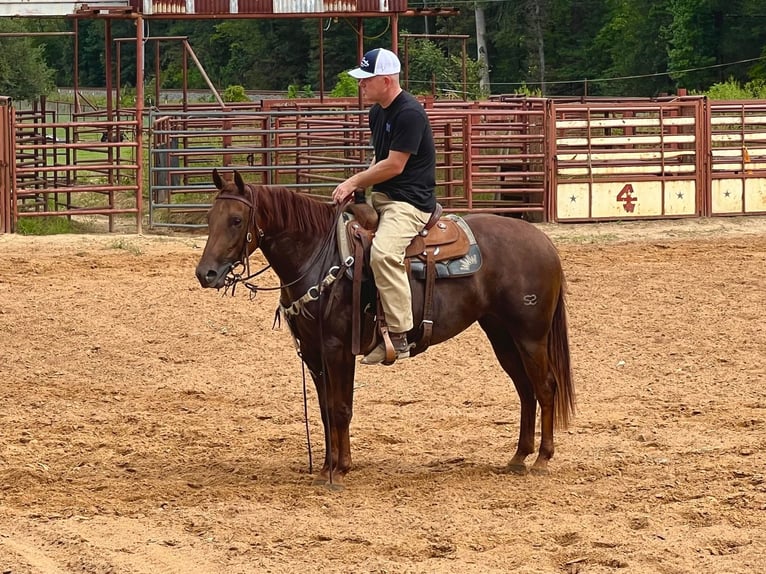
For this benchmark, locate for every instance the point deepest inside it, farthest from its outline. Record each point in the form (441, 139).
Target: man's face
(374, 88)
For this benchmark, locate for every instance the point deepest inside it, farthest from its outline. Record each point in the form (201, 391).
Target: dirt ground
(148, 426)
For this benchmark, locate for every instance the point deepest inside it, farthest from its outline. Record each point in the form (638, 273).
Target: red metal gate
(628, 159)
(75, 164)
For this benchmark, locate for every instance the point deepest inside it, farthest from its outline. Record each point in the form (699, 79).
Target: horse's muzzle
(212, 278)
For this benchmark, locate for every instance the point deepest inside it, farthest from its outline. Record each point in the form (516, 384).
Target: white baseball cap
(377, 62)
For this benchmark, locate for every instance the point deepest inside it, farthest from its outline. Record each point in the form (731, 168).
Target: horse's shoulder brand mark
(530, 299)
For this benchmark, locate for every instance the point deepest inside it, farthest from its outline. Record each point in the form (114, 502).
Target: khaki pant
(399, 223)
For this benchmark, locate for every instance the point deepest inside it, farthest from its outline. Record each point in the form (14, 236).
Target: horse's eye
(236, 221)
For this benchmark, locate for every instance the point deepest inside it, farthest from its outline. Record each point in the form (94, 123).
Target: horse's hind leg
(509, 358)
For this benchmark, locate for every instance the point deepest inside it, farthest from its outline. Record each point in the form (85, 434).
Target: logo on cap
(377, 62)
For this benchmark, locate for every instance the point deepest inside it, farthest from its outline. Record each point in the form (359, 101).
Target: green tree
(24, 74)
(632, 43)
(431, 70)
(692, 45)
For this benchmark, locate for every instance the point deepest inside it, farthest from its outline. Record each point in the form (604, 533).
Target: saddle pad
(469, 264)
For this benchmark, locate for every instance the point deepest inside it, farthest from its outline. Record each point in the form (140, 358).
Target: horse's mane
(288, 210)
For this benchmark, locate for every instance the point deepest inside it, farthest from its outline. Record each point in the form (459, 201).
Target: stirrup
(378, 355)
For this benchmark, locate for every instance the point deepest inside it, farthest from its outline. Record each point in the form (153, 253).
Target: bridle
(244, 257)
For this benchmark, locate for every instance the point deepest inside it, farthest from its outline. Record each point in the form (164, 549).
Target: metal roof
(201, 8)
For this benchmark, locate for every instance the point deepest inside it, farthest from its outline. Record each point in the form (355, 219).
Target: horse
(517, 296)
(108, 136)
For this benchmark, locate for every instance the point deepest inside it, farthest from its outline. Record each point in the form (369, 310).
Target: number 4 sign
(627, 198)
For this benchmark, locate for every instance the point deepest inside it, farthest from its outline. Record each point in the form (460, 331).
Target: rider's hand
(343, 192)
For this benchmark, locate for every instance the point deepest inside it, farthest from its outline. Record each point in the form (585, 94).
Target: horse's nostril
(206, 278)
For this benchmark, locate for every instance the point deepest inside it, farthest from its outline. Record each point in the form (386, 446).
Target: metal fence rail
(309, 151)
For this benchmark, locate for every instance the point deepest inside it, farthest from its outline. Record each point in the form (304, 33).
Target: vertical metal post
(7, 162)
(395, 33)
(140, 120)
(111, 133)
(321, 60)
(76, 79)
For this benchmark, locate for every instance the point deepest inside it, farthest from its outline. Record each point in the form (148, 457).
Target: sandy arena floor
(149, 426)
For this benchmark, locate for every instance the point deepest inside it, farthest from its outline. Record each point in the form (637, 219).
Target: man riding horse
(403, 179)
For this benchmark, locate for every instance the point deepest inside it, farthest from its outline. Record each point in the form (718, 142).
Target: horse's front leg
(335, 386)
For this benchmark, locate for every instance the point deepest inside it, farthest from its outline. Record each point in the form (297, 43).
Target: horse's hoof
(335, 485)
(539, 471)
(516, 468)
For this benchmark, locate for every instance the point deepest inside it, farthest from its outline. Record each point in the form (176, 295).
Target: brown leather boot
(378, 354)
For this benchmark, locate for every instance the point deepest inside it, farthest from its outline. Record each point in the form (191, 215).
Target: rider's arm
(377, 172)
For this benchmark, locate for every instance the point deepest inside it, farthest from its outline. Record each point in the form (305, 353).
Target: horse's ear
(217, 180)
(239, 182)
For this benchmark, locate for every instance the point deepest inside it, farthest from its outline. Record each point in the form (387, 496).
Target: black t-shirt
(403, 126)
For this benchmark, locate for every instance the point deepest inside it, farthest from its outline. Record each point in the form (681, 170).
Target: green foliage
(235, 94)
(524, 90)
(24, 75)
(128, 96)
(690, 43)
(126, 245)
(732, 89)
(621, 49)
(346, 87)
(46, 225)
(433, 71)
(294, 91)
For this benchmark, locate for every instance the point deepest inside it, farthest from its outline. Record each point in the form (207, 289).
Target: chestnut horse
(517, 296)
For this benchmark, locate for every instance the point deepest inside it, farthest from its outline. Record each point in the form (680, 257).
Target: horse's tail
(560, 364)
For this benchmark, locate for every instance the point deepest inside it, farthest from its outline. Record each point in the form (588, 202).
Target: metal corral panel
(53, 7)
(618, 200)
(738, 157)
(7, 163)
(625, 160)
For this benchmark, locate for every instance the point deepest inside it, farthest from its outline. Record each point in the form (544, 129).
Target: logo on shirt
(388, 127)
